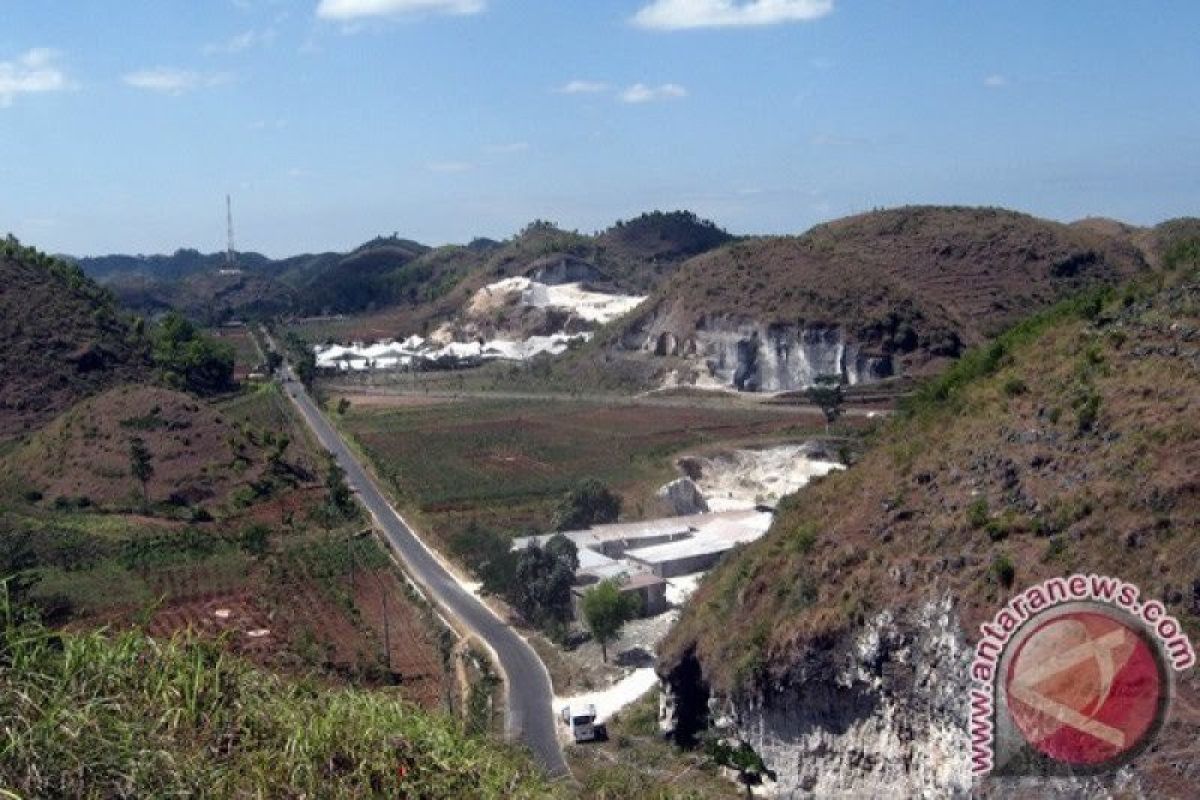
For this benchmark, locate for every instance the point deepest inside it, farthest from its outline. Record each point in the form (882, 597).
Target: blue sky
(123, 123)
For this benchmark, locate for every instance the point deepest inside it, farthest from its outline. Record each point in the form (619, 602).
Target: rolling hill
(839, 644)
(62, 337)
(391, 273)
(866, 297)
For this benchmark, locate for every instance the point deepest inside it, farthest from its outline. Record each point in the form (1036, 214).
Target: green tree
(256, 539)
(541, 590)
(606, 609)
(826, 394)
(187, 359)
(140, 466)
(489, 555)
(589, 503)
(339, 498)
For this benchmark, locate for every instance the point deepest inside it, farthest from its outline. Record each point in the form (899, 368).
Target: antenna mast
(230, 260)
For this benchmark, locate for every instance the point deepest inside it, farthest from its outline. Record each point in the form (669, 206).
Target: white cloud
(240, 42)
(449, 166)
(345, 10)
(641, 93)
(673, 15)
(34, 72)
(508, 147)
(582, 87)
(174, 81)
(995, 81)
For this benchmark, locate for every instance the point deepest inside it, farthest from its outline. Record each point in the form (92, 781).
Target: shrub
(1054, 548)
(977, 513)
(590, 503)
(1087, 410)
(1003, 570)
(1014, 387)
(804, 537)
(255, 539)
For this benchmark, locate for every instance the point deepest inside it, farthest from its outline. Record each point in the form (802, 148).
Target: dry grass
(1073, 450)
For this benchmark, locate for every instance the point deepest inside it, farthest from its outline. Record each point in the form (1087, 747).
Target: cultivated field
(261, 565)
(506, 462)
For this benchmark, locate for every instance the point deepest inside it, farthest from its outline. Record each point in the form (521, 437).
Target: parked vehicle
(581, 722)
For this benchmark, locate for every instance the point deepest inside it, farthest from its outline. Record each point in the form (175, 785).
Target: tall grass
(108, 714)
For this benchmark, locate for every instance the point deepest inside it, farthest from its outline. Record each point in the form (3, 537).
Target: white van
(580, 721)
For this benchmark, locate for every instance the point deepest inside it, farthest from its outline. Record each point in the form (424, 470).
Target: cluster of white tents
(417, 352)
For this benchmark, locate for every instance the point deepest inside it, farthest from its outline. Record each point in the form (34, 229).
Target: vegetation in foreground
(126, 715)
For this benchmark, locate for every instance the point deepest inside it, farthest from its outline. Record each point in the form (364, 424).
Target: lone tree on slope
(140, 466)
(827, 395)
(606, 609)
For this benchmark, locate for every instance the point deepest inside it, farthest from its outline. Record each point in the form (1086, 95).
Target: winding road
(529, 693)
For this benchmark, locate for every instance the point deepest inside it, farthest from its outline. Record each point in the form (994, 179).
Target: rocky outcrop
(881, 714)
(557, 270)
(683, 498)
(756, 357)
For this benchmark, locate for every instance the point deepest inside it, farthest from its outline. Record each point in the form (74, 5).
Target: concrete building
(665, 548)
(697, 554)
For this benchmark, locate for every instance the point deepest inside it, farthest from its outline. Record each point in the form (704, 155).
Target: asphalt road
(528, 688)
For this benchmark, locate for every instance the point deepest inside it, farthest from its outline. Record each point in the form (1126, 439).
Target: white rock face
(756, 357)
(883, 717)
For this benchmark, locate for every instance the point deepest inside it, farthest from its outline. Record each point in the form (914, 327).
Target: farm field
(506, 463)
(269, 572)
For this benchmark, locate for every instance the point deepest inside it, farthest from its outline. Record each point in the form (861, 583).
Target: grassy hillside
(62, 338)
(198, 457)
(1069, 444)
(126, 715)
(917, 282)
